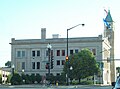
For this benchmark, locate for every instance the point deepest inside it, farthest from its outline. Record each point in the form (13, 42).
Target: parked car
(116, 85)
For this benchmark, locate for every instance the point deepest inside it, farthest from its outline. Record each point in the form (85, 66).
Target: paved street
(55, 87)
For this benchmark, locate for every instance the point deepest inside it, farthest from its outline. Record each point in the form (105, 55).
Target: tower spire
(109, 17)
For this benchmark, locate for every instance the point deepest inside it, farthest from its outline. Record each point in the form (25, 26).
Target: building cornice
(56, 40)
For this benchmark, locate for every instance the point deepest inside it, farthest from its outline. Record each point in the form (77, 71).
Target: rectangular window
(18, 53)
(23, 65)
(33, 53)
(76, 50)
(63, 62)
(58, 74)
(63, 52)
(94, 51)
(23, 53)
(38, 53)
(38, 65)
(51, 52)
(46, 53)
(71, 51)
(58, 52)
(33, 65)
(58, 62)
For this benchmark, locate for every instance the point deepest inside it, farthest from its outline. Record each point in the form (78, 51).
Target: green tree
(118, 69)
(8, 64)
(83, 63)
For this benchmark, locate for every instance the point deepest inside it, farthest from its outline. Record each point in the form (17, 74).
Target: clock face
(108, 26)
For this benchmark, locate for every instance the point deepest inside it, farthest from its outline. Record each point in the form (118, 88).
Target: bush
(38, 78)
(16, 79)
(31, 79)
(27, 79)
(86, 82)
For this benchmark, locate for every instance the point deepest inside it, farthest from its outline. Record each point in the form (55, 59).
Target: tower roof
(108, 17)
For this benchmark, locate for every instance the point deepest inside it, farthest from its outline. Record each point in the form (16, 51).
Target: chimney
(55, 35)
(43, 33)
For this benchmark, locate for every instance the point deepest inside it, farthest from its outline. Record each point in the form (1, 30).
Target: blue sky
(23, 19)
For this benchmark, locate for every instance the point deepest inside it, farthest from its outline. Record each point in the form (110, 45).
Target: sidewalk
(40, 86)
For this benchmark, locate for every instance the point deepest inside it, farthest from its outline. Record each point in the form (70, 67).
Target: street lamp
(13, 67)
(23, 70)
(67, 50)
(49, 52)
(71, 68)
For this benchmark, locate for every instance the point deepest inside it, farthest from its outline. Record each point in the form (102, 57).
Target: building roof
(109, 17)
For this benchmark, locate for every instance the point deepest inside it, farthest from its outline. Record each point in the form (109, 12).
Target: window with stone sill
(21, 54)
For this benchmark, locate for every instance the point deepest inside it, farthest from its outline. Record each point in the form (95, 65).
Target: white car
(116, 85)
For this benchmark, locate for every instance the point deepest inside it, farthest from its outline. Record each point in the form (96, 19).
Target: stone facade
(31, 54)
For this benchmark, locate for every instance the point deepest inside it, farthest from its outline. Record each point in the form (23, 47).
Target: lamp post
(67, 52)
(71, 68)
(22, 74)
(49, 54)
(13, 67)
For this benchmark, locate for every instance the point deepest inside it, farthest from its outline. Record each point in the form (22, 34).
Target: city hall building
(31, 55)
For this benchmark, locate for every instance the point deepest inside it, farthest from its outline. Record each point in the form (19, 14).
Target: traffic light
(47, 65)
(66, 58)
(52, 62)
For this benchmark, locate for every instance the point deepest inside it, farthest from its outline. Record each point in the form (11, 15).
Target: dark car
(116, 85)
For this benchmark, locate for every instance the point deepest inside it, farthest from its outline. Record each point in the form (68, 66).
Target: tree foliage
(118, 69)
(83, 63)
(16, 79)
(61, 79)
(38, 78)
(8, 64)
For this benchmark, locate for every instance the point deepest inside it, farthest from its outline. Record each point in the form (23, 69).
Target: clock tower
(109, 32)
